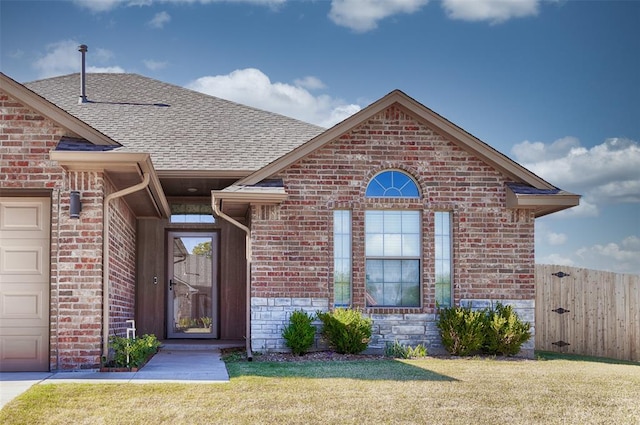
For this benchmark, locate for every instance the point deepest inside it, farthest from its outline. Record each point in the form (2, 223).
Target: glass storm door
(192, 289)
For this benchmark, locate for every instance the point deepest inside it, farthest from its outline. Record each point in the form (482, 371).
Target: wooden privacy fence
(587, 312)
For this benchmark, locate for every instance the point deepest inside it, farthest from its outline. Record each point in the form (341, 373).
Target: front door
(192, 285)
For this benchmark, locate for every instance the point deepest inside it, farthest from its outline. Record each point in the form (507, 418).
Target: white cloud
(252, 87)
(98, 6)
(358, 15)
(605, 174)
(556, 238)
(617, 256)
(159, 20)
(623, 257)
(62, 57)
(555, 259)
(494, 11)
(154, 65)
(100, 55)
(537, 151)
(364, 15)
(586, 209)
(310, 83)
(546, 237)
(105, 69)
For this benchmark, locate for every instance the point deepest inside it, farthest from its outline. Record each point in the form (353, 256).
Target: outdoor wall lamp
(75, 206)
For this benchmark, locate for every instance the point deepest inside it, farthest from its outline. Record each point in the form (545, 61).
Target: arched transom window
(392, 184)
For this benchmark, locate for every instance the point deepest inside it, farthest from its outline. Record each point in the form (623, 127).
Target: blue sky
(555, 85)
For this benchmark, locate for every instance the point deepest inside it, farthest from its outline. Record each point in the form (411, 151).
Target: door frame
(215, 303)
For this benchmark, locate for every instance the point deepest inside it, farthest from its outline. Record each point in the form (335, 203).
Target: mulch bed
(332, 356)
(314, 356)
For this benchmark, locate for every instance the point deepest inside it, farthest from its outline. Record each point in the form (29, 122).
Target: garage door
(24, 284)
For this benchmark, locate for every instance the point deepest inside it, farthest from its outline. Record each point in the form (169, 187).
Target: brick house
(201, 218)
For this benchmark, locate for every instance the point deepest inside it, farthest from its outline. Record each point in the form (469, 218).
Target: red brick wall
(25, 141)
(77, 304)
(122, 266)
(26, 138)
(493, 246)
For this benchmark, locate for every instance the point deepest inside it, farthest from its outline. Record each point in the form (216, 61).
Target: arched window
(392, 184)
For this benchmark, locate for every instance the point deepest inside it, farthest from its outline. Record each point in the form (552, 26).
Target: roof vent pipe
(83, 85)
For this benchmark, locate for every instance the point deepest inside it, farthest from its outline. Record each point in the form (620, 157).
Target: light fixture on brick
(75, 206)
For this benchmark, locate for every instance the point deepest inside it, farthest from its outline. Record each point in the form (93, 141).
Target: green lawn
(431, 390)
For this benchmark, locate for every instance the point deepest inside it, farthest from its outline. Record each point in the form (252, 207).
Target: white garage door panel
(29, 216)
(24, 284)
(24, 305)
(23, 258)
(21, 351)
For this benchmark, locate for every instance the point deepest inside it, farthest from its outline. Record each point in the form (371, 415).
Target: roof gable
(438, 123)
(527, 190)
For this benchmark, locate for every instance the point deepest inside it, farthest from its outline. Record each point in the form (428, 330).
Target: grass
(431, 390)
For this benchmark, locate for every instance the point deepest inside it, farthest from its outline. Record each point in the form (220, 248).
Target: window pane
(392, 280)
(410, 271)
(374, 245)
(192, 218)
(391, 293)
(392, 245)
(191, 213)
(393, 283)
(443, 263)
(410, 296)
(337, 246)
(342, 257)
(374, 221)
(392, 271)
(392, 183)
(338, 223)
(342, 282)
(374, 271)
(374, 294)
(410, 222)
(392, 221)
(410, 245)
(346, 246)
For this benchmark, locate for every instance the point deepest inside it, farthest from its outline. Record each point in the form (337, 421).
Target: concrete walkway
(174, 366)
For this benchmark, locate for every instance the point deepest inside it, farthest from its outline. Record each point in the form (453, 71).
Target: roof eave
(227, 174)
(236, 203)
(542, 204)
(253, 197)
(131, 168)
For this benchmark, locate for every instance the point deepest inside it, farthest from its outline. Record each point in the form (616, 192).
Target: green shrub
(401, 351)
(505, 332)
(300, 333)
(346, 330)
(495, 331)
(138, 350)
(461, 330)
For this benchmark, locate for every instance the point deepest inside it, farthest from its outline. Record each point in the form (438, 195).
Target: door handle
(171, 284)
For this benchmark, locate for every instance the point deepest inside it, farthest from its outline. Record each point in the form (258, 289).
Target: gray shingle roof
(180, 128)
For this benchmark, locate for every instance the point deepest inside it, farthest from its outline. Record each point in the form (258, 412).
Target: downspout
(106, 254)
(247, 232)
